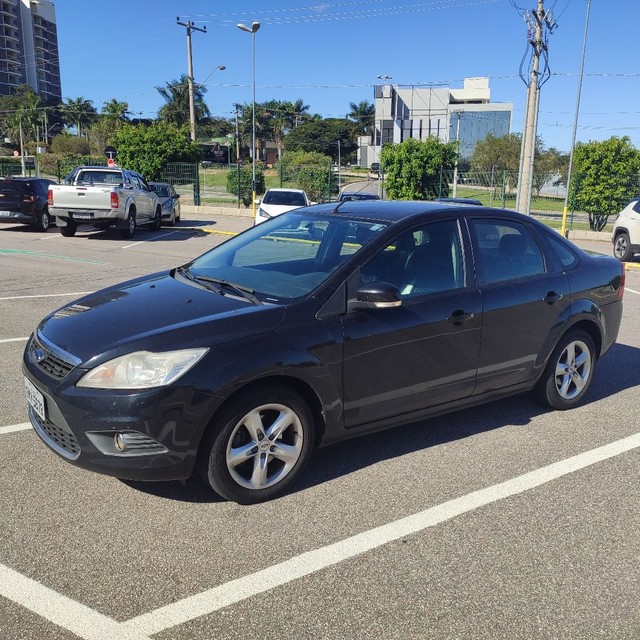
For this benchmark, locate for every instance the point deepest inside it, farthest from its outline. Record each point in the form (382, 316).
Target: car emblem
(39, 354)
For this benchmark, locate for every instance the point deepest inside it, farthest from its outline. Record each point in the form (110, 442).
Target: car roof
(394, 211)
(286, 189)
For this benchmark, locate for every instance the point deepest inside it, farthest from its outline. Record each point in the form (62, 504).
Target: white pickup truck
(104, 197)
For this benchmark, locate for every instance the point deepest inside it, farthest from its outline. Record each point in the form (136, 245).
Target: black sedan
(321, 324)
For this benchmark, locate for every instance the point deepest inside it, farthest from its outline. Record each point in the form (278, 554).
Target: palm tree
(299, 110)
(79, 113)
(363, 115)
(116, 110)
(176, 96)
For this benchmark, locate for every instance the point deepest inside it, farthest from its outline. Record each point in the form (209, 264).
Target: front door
(424, 353)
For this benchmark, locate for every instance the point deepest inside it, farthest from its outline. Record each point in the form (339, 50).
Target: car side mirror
(376, 295)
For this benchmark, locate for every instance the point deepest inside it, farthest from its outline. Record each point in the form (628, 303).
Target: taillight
(621, 287)
(115, 202)
(50, 198)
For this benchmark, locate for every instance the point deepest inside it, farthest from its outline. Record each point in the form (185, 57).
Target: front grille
(45, 359)
(59, 439)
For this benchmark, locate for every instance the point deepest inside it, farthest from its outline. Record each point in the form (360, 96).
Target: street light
(220, 67)
(252, 30)
(384, 79)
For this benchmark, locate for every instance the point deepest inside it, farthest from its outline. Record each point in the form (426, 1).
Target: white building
(29, 47)
(466, 115)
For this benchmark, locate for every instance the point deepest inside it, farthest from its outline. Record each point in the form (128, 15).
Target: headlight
(142, 370)
(262, 213)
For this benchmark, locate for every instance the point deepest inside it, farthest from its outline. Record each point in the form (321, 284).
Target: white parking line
(62, 611)
(23, 426)
(307, 563)
(3, 341)
(164, 235)
(632, 291)
(48, 295)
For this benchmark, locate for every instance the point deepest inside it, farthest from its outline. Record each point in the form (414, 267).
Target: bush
(239, 182)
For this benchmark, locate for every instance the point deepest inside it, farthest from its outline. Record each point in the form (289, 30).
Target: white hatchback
(278, 201)
(626, 232)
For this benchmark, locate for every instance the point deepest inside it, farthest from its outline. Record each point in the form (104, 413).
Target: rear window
(14, 187)
(100, 177)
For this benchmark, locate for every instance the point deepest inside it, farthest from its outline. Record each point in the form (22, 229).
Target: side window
(505, 250)
(422, 261)
(565, 256)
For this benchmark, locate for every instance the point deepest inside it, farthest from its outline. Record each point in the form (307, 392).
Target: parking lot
(503, 521)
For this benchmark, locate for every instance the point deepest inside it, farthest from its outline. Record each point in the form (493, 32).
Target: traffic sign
(111, 162)
(110, 152)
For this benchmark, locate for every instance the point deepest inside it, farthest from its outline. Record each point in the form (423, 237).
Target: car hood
(277, 209)
(158, 313)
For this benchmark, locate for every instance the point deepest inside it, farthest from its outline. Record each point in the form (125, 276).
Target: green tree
(605, 177)
(322, 136)
(176, 107)
(78, 113)
(413, 168)
(308, 170)
(115, 111)
(148, 149)
(240, 180)
(66, 144)
(363, 115)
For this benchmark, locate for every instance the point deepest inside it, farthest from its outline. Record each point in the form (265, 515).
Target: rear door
(12, 193)
(523, 300)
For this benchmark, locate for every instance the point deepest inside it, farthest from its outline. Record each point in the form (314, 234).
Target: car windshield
(287, 257)
(287, 198)
(162, 190)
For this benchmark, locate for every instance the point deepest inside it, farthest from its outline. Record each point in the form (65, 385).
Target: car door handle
(459, 316)
(552, 297)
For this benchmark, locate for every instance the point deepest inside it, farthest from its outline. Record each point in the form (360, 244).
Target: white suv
(626, 232)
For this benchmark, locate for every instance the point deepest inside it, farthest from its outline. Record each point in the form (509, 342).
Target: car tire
(569, 372)
(69, 230)
(130, 230)
(272, 428)
(622, 247)
(156, 222)
(44, 221)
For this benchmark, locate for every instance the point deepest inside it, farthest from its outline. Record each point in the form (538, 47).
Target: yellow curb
(224, 233)
(631, 265)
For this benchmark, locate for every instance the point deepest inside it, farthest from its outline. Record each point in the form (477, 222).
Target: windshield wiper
(238, 289)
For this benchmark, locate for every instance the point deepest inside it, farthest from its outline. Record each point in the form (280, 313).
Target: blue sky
(329, 52)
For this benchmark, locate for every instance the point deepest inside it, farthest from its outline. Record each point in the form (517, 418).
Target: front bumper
(161, 427)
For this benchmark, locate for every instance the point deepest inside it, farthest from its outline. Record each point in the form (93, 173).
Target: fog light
(119, 442)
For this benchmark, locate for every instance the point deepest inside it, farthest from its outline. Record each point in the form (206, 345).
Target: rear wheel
(130, 230)
(569, 372)
(622, 247)
(69, 230)
(44, 221)
(258, 445)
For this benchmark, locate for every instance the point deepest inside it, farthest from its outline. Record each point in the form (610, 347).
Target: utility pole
(455, 168)
(238, 159)
(190, 26)
(540, 20)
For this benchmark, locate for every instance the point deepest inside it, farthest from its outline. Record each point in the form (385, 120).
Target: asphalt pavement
(503, 521)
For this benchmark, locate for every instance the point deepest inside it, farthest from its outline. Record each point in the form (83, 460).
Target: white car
(278, 201)
(626, 232)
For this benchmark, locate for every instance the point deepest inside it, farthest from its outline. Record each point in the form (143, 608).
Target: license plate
(35, 399)
(5, 214)
(82, 216)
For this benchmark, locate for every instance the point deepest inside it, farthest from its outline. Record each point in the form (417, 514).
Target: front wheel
(258, 445)
(622, 247)
(569, 372)
(69, 230)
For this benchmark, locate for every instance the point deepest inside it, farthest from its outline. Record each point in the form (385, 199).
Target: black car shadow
(616, 372)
